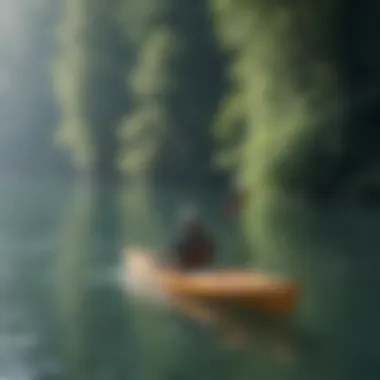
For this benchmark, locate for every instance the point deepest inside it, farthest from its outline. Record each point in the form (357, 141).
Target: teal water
(65, 314)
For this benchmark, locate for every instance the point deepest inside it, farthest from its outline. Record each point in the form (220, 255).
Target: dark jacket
(194, 249)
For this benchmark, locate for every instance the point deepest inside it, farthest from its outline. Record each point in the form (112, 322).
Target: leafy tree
(89, 75)
(288, 94)
(175, 87)
(291, 68)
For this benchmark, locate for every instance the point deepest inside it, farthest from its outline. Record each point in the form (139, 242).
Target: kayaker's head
(189, 218)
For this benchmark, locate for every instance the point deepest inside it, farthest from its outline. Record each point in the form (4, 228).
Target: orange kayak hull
(238, 288)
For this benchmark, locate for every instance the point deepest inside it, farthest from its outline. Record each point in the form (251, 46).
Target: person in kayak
(193, 248)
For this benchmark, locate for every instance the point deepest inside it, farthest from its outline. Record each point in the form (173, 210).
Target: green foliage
(229, 130)
(287, 90)
(175, 88)
(137, 86)
(143, 130)
(68, 71)
(142, 90)
(88, 77)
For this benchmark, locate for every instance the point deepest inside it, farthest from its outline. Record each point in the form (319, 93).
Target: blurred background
(113, 113)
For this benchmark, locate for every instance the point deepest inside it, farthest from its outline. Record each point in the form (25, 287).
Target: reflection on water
(65, 313)
(27, 345)
(334, 254)
(237, 328)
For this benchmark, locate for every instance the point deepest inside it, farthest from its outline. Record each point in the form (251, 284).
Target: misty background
(115, 113)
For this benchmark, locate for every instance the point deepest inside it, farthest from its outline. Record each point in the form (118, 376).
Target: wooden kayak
(226, 287)
(237, 288)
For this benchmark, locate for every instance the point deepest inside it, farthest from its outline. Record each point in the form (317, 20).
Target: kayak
(245, 289)
(237, 288)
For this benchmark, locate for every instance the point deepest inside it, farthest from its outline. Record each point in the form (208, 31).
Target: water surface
(65, 314)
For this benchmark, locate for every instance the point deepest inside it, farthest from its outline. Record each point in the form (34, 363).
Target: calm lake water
(65, 312)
